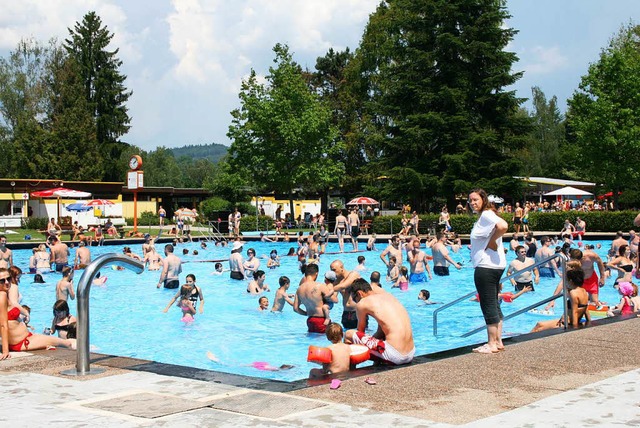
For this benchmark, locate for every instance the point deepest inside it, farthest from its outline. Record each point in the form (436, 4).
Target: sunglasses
(4, 280)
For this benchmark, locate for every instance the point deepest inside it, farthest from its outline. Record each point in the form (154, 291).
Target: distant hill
(214, 152)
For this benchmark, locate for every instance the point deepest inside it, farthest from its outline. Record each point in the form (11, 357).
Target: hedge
(597, 221)
(248, 223)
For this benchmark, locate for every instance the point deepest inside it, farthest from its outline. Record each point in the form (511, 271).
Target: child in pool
(263, 303)
(371, 242)
(188, 311)
(392, 269)
(403, 281)
(340, 353)
(274, 260)
(424, 295)
(281, 295)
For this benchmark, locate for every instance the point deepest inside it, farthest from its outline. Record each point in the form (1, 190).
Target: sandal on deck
(485, 349)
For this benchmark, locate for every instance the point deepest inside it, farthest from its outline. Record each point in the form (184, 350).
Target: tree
(603, 114)
(103, 84)
(543, 154)
(282, 135)
(433, 74)
(161, 169)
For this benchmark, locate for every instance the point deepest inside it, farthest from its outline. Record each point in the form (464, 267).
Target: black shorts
(349, 319)
(487, 283)
(171, 283)
(517, 220)
(236, 275)
(520, 285)
(60, 266)
(441, 270)
(355, 231)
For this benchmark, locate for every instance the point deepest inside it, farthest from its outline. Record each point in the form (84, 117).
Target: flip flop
(370, 381)
(335, 384)
(484, 349)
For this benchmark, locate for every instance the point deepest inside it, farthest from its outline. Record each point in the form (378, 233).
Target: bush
(210, 208)
(246, 208)
(248, 223)
(35, 223)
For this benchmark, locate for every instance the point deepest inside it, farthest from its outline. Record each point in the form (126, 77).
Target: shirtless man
(418, 263)
(59, 253)
(344, 279)
(615, 246)
(522, 261)
(6, 255)
(341, 229)
(354, 227)
(393, 249)
(393, 342)
(53, 228)
(545, 250)
(591, 282)
(441, 257)
(310, 294)
(83, 256)
(171, 269)
(581, 227)
(236, 262)
(282, 296)
(517, 217)
(64, 287)
(161, 215)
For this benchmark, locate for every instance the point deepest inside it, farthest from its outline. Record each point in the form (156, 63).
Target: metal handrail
(84, 287)
(526, 269)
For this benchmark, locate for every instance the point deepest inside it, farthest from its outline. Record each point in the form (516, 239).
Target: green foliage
(604, 111)
(210, 207)
(148, 218)
(248, 223)
(432, 78)
(246, 208)
(282, 135)
(601, 221)
(212, 152)
(103, 85)
(227, 182)
(35, 223)
(161, 169)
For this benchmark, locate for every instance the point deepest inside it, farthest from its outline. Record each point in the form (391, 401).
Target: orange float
(319, 355)
(359, 354)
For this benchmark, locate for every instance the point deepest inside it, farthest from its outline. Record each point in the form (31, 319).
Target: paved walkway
(586, 377)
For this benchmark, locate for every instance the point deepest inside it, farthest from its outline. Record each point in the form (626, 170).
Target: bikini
(13, 315)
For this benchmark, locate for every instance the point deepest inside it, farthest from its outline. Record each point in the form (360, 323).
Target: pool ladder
(563, 265)
(84, 286)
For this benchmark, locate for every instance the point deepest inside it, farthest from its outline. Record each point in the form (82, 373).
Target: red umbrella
(98, 203)
(60, 192)
(363, 200)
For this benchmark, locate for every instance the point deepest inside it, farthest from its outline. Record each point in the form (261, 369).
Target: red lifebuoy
(359, 354)
(319, 355)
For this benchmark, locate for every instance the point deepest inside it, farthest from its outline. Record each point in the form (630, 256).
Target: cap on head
(330, 276)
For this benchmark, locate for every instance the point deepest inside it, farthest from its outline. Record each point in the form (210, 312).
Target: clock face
(134, 162)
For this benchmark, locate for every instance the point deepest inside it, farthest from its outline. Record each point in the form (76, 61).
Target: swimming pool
(127, 318)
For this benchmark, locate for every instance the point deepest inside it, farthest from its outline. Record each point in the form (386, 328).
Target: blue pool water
(127, 318)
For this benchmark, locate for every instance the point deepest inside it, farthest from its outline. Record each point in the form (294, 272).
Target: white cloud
(545, 60)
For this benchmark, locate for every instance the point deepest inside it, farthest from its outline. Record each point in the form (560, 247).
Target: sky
(185, 59)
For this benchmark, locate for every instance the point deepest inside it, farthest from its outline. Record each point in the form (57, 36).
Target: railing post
(84, 287)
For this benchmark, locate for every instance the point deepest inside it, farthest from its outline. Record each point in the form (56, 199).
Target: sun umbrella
(60, 192)
(363, 200)
(77, 207)
(186, 213)
(568, 191)
(98, 203)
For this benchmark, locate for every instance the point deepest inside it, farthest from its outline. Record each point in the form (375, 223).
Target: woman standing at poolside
(15, 333)
(489, 261)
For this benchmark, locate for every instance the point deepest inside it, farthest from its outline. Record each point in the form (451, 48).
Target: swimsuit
(418, 277)
(236, 275)
(349, 319)
(626, 268)
(60, 266)
(520, 285)
(382, 349)
(13, 314)
(441, 270)
(404, 285)
(171, 283)
(316, 325)
(546, 272)
(18, 346)
(355, 231)
(591, 284)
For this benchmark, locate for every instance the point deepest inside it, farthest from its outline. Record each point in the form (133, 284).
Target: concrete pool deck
(585, 377)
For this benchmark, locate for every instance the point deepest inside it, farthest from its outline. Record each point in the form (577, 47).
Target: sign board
(140, 180)
(25, 196)
(132, 180)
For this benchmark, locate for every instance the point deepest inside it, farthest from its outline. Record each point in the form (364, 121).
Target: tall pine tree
(103, 85)
(433, 75)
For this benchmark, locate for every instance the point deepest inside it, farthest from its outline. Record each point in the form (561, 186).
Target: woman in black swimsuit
(623, 264)
(63, 322)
